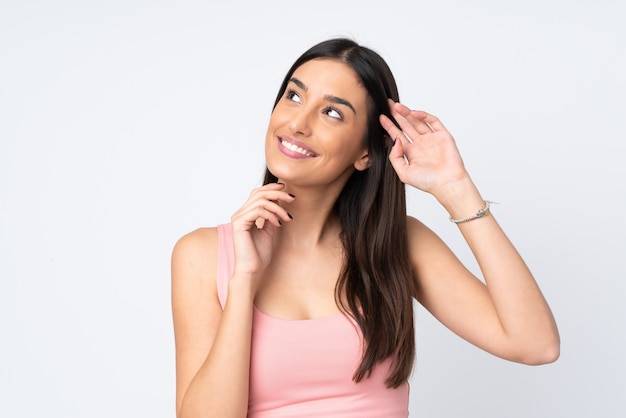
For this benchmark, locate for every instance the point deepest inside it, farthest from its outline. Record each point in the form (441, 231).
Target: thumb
(396, 155)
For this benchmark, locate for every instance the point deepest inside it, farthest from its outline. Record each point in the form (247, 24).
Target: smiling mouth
(295, 148)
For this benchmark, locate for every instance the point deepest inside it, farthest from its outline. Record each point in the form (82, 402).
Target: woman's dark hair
(376, 285)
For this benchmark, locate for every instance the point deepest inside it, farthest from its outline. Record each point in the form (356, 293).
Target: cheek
(277, 118)
(273, 123)
(350, 151)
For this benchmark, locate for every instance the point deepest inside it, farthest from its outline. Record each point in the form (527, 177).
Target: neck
(313, 222)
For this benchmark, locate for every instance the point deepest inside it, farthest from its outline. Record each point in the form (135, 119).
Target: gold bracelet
(480, 214)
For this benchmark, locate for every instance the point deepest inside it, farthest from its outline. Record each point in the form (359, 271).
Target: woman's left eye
(334, 113)
(293, 96)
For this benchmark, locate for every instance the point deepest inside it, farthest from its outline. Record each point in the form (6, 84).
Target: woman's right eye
(293, 96)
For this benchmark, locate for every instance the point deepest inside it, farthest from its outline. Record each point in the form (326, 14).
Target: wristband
(480, 214)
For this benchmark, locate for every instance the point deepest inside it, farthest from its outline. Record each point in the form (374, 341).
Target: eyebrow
(329, 97)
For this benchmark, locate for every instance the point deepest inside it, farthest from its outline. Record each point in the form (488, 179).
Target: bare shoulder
(194, 266)
(197, 246)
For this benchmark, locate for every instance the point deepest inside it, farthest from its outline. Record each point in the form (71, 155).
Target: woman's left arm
(507, 315)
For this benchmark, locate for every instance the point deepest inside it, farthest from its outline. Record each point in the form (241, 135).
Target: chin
(280, 169)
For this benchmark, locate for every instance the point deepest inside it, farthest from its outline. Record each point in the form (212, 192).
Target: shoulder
(196, 241)
(194, 261)
(196, 249)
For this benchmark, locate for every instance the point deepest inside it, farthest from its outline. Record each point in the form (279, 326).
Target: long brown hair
(376, 278)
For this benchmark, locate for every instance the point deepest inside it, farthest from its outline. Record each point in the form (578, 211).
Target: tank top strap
(225, 260)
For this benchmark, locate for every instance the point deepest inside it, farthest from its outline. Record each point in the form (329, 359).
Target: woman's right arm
(213, 346)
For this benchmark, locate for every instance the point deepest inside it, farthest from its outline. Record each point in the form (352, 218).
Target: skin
(288, 267)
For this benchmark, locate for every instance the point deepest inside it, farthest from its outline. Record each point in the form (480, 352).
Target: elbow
(546, 356)
(552, 352)
(545, 353)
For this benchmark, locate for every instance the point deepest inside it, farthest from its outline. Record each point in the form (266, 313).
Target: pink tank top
(304, 368)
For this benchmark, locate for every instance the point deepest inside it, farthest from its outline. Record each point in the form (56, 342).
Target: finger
(410, 120)
(432, 120)
(272, 208)
(407, 131)
(259, 216)
(267, 217)
(389, 126)
(396, 156)
(411, 125)
(275, 195)
(260, 208)
(266, 187)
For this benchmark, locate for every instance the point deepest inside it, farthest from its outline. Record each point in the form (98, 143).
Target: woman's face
(315, 135)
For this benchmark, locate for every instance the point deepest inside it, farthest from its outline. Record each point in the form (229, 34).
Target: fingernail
(291, 195)
(280, 223)
(289, 214)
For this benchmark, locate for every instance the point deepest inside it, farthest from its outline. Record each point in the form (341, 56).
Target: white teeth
(295, 148)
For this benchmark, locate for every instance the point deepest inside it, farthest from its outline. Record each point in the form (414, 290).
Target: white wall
(125, 124)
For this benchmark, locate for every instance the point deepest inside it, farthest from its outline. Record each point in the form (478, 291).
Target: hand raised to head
(424, 153)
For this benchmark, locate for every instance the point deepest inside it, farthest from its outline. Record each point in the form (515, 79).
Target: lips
(296, 148)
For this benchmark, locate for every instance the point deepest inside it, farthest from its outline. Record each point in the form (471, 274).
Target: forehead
(331, 77)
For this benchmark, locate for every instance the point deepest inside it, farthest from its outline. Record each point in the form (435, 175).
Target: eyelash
(290, 93)
(328, 109)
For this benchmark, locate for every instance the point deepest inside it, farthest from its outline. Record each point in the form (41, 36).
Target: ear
(363, 163)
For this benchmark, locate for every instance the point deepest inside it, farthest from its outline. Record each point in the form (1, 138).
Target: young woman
(301, 306)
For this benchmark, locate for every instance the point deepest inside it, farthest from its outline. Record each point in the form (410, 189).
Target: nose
(301, 122)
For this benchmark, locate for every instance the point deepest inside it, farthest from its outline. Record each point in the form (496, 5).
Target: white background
(125, 124)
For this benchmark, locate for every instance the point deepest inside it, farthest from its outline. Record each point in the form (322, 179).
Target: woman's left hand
(424, 154)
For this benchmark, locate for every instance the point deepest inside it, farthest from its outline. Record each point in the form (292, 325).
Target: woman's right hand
(253, 242)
